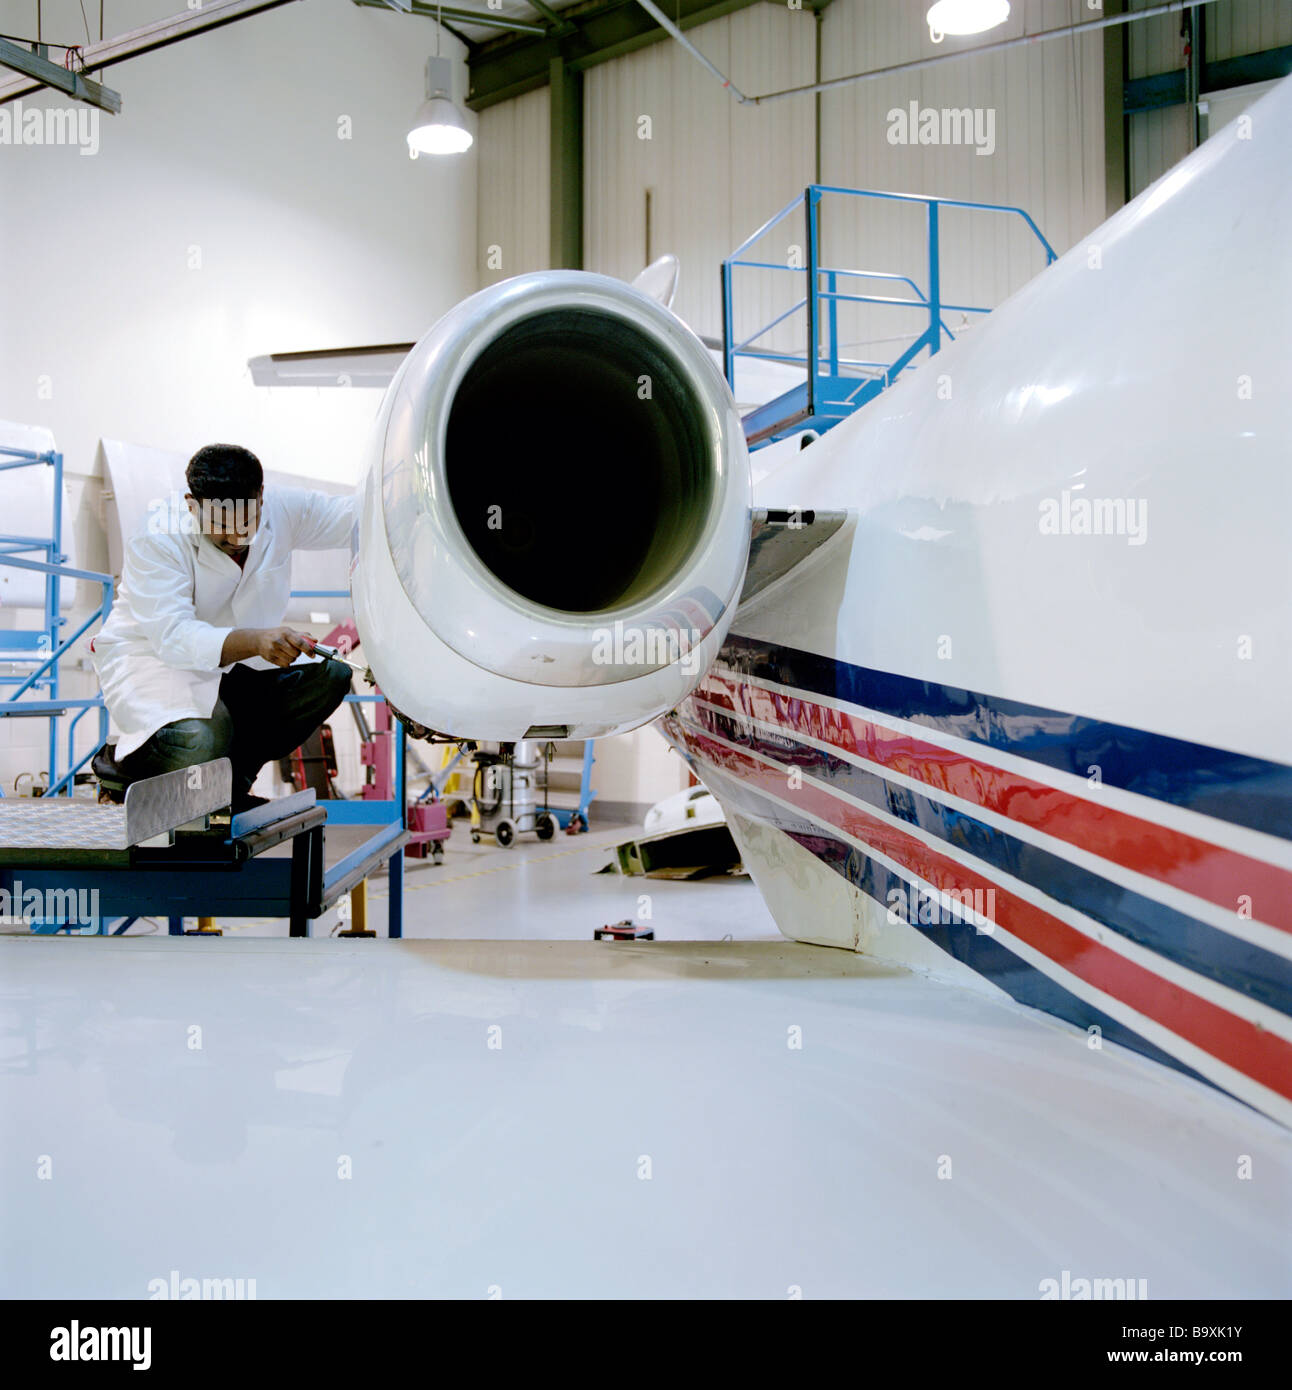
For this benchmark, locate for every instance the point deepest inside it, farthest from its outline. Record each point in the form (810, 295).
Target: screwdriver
(336, 655)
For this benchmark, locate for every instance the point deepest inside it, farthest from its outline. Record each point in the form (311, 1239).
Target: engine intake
(556, 515)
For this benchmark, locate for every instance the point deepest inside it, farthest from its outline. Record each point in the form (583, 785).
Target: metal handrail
(46, 672)
(942, 202)
(839, 270)
(63, 572)
(17, 705)
(823, 296)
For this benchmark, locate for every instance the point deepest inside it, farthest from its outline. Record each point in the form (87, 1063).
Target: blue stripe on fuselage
(1228, 786)
(980, 951)
(1206, 950)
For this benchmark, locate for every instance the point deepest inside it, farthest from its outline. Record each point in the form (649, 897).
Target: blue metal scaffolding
(42, 647)
(834, 386)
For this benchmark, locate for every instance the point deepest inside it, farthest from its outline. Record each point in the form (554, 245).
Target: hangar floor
(511, 1107)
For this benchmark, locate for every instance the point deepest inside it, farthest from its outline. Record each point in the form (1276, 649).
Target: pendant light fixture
(965, 17)
(439, 127)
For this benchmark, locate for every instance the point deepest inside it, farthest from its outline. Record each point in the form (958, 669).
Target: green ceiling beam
(565, 115)
(599, 30)
(444, 13)
(1169, 88)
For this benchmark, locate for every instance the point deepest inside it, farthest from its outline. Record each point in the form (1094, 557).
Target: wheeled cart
(503, 796)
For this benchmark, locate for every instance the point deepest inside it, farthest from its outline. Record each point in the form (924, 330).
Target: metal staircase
(834, 385)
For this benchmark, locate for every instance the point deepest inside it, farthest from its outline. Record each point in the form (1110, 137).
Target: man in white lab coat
(194, 660)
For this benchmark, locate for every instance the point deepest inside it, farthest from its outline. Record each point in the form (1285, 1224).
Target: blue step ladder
(834, 385)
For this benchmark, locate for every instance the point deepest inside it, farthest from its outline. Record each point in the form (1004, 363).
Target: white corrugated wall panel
(1155, 141)
(1155, 45)
(1247, 26)
(772, 152)
(1041, 131)
(1158, 139)
(716, 170)
(513, 183)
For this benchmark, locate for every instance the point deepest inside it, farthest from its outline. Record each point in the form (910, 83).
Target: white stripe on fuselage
(1234, 1002)
(1238, 838)
(1253, 931)
(1225, 1076)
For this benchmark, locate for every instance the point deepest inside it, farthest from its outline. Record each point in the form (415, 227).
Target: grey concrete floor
(537, 891)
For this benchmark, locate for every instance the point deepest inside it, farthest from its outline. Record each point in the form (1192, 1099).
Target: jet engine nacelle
(555, 521)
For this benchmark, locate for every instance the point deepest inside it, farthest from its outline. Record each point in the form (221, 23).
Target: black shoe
(112, 781)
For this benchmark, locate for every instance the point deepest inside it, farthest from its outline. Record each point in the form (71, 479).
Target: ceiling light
(965, 17)
(439, 127)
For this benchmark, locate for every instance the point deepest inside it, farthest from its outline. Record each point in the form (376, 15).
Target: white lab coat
(158, 655)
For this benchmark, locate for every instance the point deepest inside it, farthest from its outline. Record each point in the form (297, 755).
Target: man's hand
(280, 646)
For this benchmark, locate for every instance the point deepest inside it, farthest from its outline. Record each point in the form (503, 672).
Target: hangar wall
(515, 159)
(1158, 139)
(1155, 140)
(656, 123)
(1247, 26)
(717, 170)
(240, 213)
(254, 195)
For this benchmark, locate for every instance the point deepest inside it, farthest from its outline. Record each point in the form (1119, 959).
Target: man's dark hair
(224, 472)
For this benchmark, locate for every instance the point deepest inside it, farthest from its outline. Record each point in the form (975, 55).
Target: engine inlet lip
(551, 646)
(641, 609)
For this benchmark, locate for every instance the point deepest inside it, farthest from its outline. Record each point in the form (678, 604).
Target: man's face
(229, 524)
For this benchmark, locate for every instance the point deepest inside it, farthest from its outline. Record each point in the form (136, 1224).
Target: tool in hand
(337, 655)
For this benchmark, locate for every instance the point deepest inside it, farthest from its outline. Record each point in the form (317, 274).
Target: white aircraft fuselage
(1027, 715)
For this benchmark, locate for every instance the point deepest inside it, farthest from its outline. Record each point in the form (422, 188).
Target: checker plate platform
(153, 806)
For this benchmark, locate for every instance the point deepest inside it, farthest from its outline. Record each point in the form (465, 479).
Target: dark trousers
(260, 715)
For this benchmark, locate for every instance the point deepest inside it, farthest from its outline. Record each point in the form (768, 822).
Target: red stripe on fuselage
(1245, 1046)
(1221, 876)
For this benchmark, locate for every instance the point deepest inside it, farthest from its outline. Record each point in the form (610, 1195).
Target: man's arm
(320, 522)
(279, 645)
(159, 588)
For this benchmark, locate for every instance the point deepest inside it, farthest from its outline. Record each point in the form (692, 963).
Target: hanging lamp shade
(966, 16)
(439, 126)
